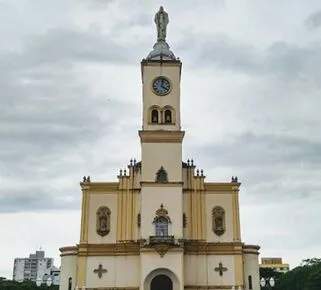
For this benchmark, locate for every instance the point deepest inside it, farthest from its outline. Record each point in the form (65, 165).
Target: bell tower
(161, 136)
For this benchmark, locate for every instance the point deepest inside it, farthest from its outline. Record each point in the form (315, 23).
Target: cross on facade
(220, 269)
(100, 270)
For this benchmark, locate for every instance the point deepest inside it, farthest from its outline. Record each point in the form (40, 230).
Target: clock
(161, 86)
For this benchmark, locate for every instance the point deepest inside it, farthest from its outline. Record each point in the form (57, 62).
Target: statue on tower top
(161, 21)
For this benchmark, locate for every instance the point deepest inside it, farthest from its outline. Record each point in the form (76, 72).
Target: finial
(188, 162)
(161, 20)
(125, 172)
(201, 172)
(131, 162)
(192, 162)
(198, 172)
(120, 172)
(84, 179)
(88, 178)
(134, 161)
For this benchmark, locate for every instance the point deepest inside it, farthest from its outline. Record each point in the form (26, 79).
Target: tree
(307, 276)
(25, 285)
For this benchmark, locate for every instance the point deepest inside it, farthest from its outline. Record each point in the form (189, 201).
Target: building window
(250, 282)
(154, 116)
(70, 283)
(161, 221)
(218, 220)
(103, 221)
(161, 227)
(168, 116)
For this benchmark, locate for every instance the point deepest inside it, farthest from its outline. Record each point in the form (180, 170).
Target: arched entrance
(161, 282)
(161, 279)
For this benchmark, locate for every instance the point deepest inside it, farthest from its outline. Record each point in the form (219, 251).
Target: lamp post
(267, 282)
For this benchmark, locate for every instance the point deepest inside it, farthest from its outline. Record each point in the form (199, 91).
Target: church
(160, 226)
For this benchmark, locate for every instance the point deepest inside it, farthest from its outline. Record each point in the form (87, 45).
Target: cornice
(118, 249)
(165, 184)
(204, 248)
(172, 62)
(68, 251)
(161, 136)
(251, 249)
(205, 287)
(220, 186)
(112, 288)
(135, 248)
(108, 187)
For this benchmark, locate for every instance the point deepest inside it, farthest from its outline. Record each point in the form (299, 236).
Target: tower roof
(161, 51)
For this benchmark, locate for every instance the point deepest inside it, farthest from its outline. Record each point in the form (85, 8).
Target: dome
(161, 51)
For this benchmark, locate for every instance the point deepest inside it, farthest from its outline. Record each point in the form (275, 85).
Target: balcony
(154, 240)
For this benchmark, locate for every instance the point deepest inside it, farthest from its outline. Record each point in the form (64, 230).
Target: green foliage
(25, 285)
(307, 276)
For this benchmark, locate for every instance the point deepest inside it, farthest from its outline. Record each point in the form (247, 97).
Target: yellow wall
(122, 271)
(168, 155)
(95, 201)
(151, 199)
(223, 199)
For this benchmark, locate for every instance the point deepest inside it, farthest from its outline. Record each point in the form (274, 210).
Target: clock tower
(161, 143)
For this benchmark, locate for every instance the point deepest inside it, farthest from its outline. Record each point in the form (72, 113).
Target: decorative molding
(116, 249)
(190, 247)
(161, 136)
(220, 269)
(162, 213)
(100, 271)
(204, 248)
(103, 221)
(161, 176)
(218, 220)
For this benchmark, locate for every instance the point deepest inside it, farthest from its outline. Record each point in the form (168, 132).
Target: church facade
(160, 226)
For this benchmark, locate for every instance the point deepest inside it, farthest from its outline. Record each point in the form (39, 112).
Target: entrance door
(161, 282)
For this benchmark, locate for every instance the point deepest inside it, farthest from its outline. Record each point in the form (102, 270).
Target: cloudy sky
(70, 94)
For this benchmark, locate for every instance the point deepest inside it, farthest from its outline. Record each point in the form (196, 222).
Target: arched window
(154, 116)
(168, 116)
(103, 221)
(161, 227)
(161, 221)
(218, 220)
(70, 283)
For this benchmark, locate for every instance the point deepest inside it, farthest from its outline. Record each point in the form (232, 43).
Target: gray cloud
(314, 20)
(281, 60)
(49, 111)
(38, 199)
(248, 149)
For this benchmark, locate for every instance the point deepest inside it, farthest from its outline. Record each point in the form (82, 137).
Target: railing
(161, 240)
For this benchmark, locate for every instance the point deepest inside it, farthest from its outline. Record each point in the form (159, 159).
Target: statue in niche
(103, 221)
(161, 175)
(161, 21)
(218, 220)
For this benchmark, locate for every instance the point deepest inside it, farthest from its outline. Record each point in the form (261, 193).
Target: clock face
(161, 86)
